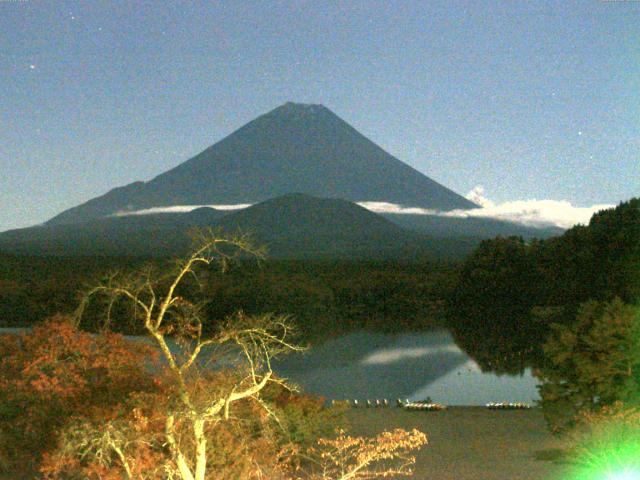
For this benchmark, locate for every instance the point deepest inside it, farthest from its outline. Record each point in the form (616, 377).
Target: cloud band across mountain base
(531, 213)
(181, 209)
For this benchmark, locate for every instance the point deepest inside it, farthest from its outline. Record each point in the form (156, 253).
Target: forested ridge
(324, 297)
(510, 292)
(499, 302)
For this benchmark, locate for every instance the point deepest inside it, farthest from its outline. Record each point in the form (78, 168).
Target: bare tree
(210, 375)
(246, 344)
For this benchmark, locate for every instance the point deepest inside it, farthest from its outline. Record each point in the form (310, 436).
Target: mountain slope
(298, 225)
(291, 226)
(135, 235)
(294, 148)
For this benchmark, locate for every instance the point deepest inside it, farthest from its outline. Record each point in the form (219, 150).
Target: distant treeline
(510, 291)
(325, 297)
(333, 297)
(499, 302)
(33, 288)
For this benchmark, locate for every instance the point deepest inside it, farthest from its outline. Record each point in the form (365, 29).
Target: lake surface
(410, 366)
(414, 366)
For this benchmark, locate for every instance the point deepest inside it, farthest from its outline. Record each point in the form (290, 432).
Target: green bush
(591, 363)
(606, 445)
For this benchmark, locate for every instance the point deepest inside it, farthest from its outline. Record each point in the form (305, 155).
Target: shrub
(54, 372)
(606, 444)
(591, 363)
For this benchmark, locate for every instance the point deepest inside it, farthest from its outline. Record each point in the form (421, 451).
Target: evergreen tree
(591, 363)
(489, 311)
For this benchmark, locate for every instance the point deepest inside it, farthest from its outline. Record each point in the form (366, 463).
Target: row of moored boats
(427, 405)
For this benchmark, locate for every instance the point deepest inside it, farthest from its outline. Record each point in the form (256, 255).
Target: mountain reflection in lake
(412, 365)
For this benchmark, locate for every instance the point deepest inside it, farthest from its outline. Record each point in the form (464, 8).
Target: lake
(410, 366)
(413, 365)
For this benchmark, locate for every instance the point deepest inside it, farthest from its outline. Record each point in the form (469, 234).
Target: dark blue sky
(528, 99)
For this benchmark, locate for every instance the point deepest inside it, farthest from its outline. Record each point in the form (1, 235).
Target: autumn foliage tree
(210, 375)
(187, 401)
(357, 458)
(54, 373)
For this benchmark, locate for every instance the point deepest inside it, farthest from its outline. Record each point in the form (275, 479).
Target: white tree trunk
(201, 448)
(183, 467)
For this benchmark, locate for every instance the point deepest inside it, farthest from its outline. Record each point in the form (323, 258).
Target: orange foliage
(81, 406)
(53, 373)
(383, 456)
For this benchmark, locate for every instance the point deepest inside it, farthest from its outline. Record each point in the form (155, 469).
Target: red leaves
(54, 372)
(383, 456)
(76, 405)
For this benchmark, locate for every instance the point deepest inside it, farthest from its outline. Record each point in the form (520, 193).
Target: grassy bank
(473, 443)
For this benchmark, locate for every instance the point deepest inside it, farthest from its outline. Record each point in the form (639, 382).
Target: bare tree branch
(165, 315)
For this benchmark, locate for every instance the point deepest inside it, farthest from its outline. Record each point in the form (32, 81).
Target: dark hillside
(510, 291)
(292, 226)
(301, 226)
(135, 235)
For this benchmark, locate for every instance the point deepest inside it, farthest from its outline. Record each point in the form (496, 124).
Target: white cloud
(476, 195)
(533, 213)
(384, 207)
(179, 209)
(392, 355)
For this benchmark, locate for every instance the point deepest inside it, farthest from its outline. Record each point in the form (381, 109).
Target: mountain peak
(296, 147)
(301, 110)
(309, 107)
